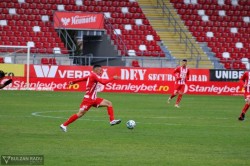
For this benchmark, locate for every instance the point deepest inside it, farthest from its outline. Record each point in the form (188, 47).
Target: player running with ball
(90, 98)
(181, 74)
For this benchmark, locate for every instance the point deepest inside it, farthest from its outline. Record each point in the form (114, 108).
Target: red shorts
(87, 103)
(179, 88)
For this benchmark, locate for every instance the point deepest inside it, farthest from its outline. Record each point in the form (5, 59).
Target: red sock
(70, 120)
(178, 99)
(244, 110)
(172, 96)
(111, 113)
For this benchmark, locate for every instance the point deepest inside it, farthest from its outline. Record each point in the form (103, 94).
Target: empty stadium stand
(174, 35)
(23, 21)
(223, 24)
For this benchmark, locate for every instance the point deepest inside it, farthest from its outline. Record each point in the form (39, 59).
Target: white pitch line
(172, 117)
(159, 117)
(38, 114)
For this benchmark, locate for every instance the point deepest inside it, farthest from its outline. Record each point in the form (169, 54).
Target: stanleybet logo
(45, 71)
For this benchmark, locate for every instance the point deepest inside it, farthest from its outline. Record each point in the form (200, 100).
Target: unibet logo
(45, 71)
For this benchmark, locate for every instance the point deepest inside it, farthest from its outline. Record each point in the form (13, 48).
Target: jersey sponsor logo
(100, 87)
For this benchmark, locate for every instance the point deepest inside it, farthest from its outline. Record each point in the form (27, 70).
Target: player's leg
(110, 110)
(178, 100)
(245, 108)
(180, 94)
(84, 107)
(75, 117)
(173, 95)
(108, 104)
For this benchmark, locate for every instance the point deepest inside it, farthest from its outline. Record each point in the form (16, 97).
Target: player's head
(2, 74)
(97, 69)
(184, 62)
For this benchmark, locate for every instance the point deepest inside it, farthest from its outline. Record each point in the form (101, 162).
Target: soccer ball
(130, 124)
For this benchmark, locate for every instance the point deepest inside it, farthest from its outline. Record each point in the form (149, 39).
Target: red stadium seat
(44, 61)
(242, 66)
(236, 65)
(219, 25)
(227, 65)
(135, 63)
(52, 61)
(1, 60)
(28, 14)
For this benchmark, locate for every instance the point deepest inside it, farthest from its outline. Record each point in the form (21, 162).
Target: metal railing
(117, 39)
(183, 36)
(70, 44)
(89, 60)
(17, 57)
(85, 60)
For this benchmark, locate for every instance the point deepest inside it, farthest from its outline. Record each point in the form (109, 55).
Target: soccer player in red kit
(181, 74)
(245, 81)
(90, 98)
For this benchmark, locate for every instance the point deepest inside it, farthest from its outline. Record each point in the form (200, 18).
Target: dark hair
(184, 60)
(2, 74)
(95, 66)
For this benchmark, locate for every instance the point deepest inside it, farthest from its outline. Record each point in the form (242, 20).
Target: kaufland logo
(45, 71)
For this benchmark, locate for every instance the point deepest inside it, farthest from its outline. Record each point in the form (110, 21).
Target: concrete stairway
(168, 35)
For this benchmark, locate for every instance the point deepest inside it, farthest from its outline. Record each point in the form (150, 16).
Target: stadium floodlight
(8, 52)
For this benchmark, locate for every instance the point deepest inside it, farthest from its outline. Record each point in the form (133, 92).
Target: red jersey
(181, 75)
(91, 85)
(246, 81)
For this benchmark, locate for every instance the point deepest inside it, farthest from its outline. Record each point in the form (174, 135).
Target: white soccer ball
(130, 124)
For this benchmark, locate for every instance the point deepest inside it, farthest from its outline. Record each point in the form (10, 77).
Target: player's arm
(6, 83)
(79, 80)
(176, 73)
(187, 76)
(104, 81)
(242, 79)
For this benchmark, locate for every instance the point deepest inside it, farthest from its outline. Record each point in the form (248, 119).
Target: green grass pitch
(204, 131)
